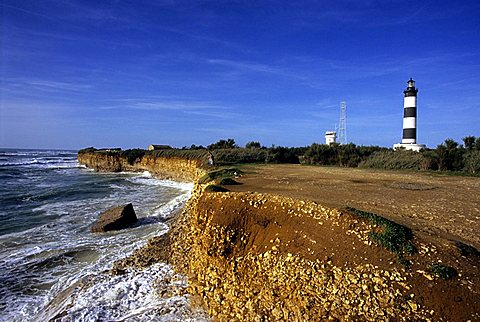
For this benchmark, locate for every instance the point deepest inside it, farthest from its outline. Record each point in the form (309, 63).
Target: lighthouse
(409, 135)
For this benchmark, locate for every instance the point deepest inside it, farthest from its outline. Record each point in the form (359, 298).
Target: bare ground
(433, 205)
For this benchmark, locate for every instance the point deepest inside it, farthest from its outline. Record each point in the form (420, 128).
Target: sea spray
(48, 203)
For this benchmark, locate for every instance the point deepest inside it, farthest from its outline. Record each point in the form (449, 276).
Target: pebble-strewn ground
(437, 205)
(283, 256)
(261, 257)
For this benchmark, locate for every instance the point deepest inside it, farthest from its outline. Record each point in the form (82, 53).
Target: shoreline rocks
(251, 256)
(116, 218)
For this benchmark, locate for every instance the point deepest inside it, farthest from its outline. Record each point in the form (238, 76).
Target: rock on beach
(115, 218)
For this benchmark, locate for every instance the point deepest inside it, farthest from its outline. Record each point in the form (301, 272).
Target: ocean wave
(151, 181)
(43, 259)
(167, 210)
(155, 293)
(50, 164)
(22, 153)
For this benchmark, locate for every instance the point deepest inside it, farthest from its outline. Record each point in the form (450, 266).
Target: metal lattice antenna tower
(342, 127)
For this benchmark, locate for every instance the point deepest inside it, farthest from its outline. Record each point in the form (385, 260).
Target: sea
(48, 202)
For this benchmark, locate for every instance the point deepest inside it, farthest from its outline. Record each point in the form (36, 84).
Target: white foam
(69, 230)
(135, 296)
(167, 210)
(51, 164)
(151, 181)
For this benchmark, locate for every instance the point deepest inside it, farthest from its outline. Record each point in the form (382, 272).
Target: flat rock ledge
(115, 218)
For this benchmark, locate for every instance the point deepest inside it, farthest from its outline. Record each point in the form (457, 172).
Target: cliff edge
(264, 257)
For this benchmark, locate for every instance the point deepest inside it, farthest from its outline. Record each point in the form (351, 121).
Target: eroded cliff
(174, 168)
(263, 257)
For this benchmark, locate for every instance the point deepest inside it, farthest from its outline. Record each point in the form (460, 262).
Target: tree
(450, 156)
(253, 145)
(472, 161)
(477, 144)
(469, 142)
(223, 144)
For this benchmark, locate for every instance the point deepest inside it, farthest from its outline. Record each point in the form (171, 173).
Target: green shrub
(472, 162)
(239, 155)
(212, 175)
(467, 250)
(228, 182)
(87, 150)
(196, 154)
(346, 155)
(132, 155)
(394, 237)
(394, 160)
(443, 271)
(215, 188)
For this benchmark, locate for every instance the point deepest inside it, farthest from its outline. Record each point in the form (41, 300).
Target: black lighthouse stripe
(410, 134)
(410, 112)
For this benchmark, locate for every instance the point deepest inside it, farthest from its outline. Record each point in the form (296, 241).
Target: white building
(330, 137)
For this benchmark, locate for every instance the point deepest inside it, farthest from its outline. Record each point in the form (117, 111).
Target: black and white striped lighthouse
(410, 114)
(409, 136)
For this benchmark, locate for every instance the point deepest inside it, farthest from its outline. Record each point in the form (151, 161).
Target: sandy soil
(287, 253)
(436, 206)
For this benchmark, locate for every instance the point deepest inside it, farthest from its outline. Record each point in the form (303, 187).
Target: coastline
(251, 256)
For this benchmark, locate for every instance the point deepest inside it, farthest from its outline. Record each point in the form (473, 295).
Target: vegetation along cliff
(263, 257)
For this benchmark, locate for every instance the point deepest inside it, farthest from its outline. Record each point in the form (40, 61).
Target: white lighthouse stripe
(408, 141)
(410, 101)
(409, 122)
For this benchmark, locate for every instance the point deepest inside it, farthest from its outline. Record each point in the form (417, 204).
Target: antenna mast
(342, 127)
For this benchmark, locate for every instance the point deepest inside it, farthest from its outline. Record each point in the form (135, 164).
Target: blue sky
(130, 73)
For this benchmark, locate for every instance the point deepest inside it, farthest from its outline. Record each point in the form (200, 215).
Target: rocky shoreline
(261, 257)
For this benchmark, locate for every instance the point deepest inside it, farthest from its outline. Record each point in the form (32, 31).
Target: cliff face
(166, 168)
(253, 257)
(262, 257)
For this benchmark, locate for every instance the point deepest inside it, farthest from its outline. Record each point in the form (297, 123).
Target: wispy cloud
(248, 67)
(225, 115)
(30, 12)
(164, 104)
(58, 86)
(29, 84)
(30, 87)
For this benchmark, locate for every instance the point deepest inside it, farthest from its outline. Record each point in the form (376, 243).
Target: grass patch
(392, 236)
(228, 182)
(443, 271)
(226, 173)
(467, 250)
(215, 188)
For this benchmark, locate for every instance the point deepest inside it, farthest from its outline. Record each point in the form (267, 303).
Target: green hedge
(394, 160)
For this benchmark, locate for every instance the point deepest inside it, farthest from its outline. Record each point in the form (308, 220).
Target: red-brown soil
(439, 209)
(282, 246)
(438, 205)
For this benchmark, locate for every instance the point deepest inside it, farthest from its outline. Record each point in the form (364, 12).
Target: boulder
(115, 218)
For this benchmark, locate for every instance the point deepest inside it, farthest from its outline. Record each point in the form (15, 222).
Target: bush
(87, 150)
(197, 154)
(467, 250)
(228, 182)
(232, 156)
(223, 144)
(472, 162)
(347, 155)
(215, 188)
(450, 156)
(132, 155)
(394, 237)
(230, 172)
(253, 145)
(443, 271)
(400, 159)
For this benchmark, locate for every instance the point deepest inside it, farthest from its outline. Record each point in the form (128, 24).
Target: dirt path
(434, 205)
